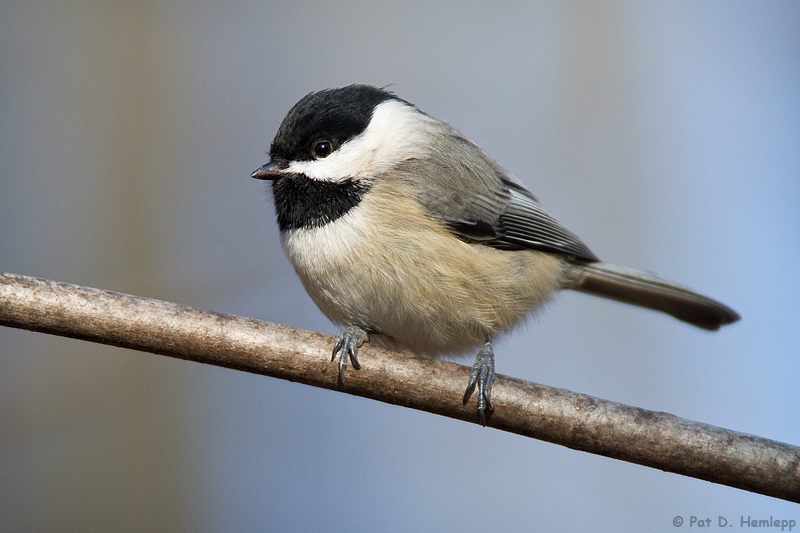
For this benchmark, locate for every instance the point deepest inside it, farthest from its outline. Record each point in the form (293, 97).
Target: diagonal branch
(654, 439)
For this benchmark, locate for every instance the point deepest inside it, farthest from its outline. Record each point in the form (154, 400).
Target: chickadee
(409, 235)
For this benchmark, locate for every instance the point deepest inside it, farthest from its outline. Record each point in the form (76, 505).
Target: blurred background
(666, 135)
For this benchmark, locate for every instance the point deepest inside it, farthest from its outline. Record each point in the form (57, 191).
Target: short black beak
(267, 172)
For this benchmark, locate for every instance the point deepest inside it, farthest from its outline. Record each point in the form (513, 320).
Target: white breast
(388, 267)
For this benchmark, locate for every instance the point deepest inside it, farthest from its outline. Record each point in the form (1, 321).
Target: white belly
(387, 267)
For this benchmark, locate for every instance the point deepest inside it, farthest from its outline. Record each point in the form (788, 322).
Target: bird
(408, 235)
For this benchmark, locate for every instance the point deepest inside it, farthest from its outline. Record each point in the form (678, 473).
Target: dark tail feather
(645, 290)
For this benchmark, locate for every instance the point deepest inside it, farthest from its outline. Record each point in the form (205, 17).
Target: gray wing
(527, 225)
(493, 209)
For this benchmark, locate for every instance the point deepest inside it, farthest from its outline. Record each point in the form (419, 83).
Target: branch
(654, 439)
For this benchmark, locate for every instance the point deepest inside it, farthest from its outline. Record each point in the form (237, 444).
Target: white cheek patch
(396, 132)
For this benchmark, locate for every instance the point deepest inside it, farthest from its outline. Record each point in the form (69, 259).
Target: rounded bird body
(406, 233)
(389, 267)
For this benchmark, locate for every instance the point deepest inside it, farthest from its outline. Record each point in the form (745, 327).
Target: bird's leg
(482, 375)
(348, 343)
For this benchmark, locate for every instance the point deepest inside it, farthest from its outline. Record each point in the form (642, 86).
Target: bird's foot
(482, 375)
(348, 343)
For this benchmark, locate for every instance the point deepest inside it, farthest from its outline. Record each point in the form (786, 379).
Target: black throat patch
(301, 202)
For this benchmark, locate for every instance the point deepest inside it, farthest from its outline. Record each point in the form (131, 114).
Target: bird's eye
(322, 149)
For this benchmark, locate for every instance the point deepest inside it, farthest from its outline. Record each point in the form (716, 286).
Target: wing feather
(494, 208)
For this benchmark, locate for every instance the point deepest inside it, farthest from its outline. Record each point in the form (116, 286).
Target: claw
(482, 376)
(348, 343)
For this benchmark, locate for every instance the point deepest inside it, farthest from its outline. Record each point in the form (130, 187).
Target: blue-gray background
(667, 135)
